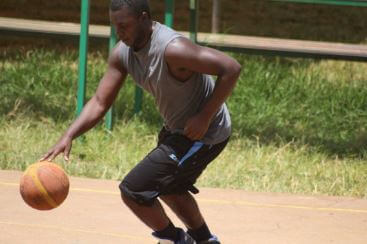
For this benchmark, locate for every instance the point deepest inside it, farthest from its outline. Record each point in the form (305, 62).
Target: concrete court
(93, 213)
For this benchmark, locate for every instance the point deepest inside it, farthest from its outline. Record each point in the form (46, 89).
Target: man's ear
(144, 16)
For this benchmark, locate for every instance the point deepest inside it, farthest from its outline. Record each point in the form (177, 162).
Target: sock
(200, 234)
(170, 232)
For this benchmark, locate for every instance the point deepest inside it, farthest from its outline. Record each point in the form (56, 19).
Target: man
(196, 120)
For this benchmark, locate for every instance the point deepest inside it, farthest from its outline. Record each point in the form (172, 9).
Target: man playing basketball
(196, 127)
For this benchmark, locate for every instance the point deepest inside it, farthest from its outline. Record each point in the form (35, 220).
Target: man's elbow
(234, 70)
(100, 105)
(237, 69)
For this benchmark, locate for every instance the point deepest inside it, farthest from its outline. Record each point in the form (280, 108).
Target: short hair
(137, 6)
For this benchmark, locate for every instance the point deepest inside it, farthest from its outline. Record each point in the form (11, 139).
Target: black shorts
(171, 168)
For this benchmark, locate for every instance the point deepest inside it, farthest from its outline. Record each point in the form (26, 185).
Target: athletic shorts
(171, 168)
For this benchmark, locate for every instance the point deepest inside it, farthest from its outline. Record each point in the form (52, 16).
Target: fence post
(169, 13)
(216, 16)
(138, 99)
(194, 9)
(109, 115)
(83, 51)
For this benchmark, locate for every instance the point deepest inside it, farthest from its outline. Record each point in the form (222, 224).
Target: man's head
(132, 20)
(136, 6)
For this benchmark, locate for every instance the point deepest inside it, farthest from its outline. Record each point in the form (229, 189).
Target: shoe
(184, 239)
(211, 240)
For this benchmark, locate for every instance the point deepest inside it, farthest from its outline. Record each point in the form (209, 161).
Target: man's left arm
(183, 54)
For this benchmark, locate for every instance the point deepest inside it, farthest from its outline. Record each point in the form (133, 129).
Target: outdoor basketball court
(93, 213)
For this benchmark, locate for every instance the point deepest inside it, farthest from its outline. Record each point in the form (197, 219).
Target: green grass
(299, 125)
(322, 104)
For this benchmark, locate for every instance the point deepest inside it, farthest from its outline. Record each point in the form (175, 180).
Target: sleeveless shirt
(176, 101)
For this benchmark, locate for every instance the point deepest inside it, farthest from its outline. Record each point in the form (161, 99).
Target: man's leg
(153, 216)
(160, 173)
(186, 208)
(140, 189)
(183, 204)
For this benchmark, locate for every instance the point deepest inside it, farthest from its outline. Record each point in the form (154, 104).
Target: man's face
(127, 24)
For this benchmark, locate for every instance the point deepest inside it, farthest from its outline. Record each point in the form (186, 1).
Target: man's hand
(64, 145)
(196, 127)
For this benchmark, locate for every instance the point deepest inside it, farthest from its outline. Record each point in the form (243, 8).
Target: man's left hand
(196, 127)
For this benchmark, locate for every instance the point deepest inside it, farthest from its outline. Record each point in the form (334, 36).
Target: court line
(226, 202)
(253, 204)
(123, 236)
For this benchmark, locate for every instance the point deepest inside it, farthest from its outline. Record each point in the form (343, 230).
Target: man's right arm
(96, 107)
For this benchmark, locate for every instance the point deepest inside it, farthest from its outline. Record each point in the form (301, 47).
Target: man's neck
(147, 35)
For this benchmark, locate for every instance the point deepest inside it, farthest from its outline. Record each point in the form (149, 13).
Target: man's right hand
(63, 145)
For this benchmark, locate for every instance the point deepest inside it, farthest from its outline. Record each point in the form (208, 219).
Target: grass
(299, 125)
(288, 168)
(321, 104)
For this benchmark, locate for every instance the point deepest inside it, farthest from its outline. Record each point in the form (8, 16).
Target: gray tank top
(176, 101)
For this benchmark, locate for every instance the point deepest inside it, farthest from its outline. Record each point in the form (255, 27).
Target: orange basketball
(44, 185)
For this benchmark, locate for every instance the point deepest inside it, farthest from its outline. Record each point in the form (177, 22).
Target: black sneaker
(211, 240)
(184, 239)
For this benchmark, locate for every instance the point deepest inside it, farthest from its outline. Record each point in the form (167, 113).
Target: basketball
(44, 185)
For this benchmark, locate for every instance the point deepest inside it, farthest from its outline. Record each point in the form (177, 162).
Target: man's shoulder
(164, 34)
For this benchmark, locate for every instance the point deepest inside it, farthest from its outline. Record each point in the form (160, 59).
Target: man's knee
(124, 194)
(141, 197)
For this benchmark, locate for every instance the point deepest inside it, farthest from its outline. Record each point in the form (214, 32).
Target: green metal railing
(194, 19)
(83, 52)
(169, 12)
(83, 59)
(109, 115)
(356, 3)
